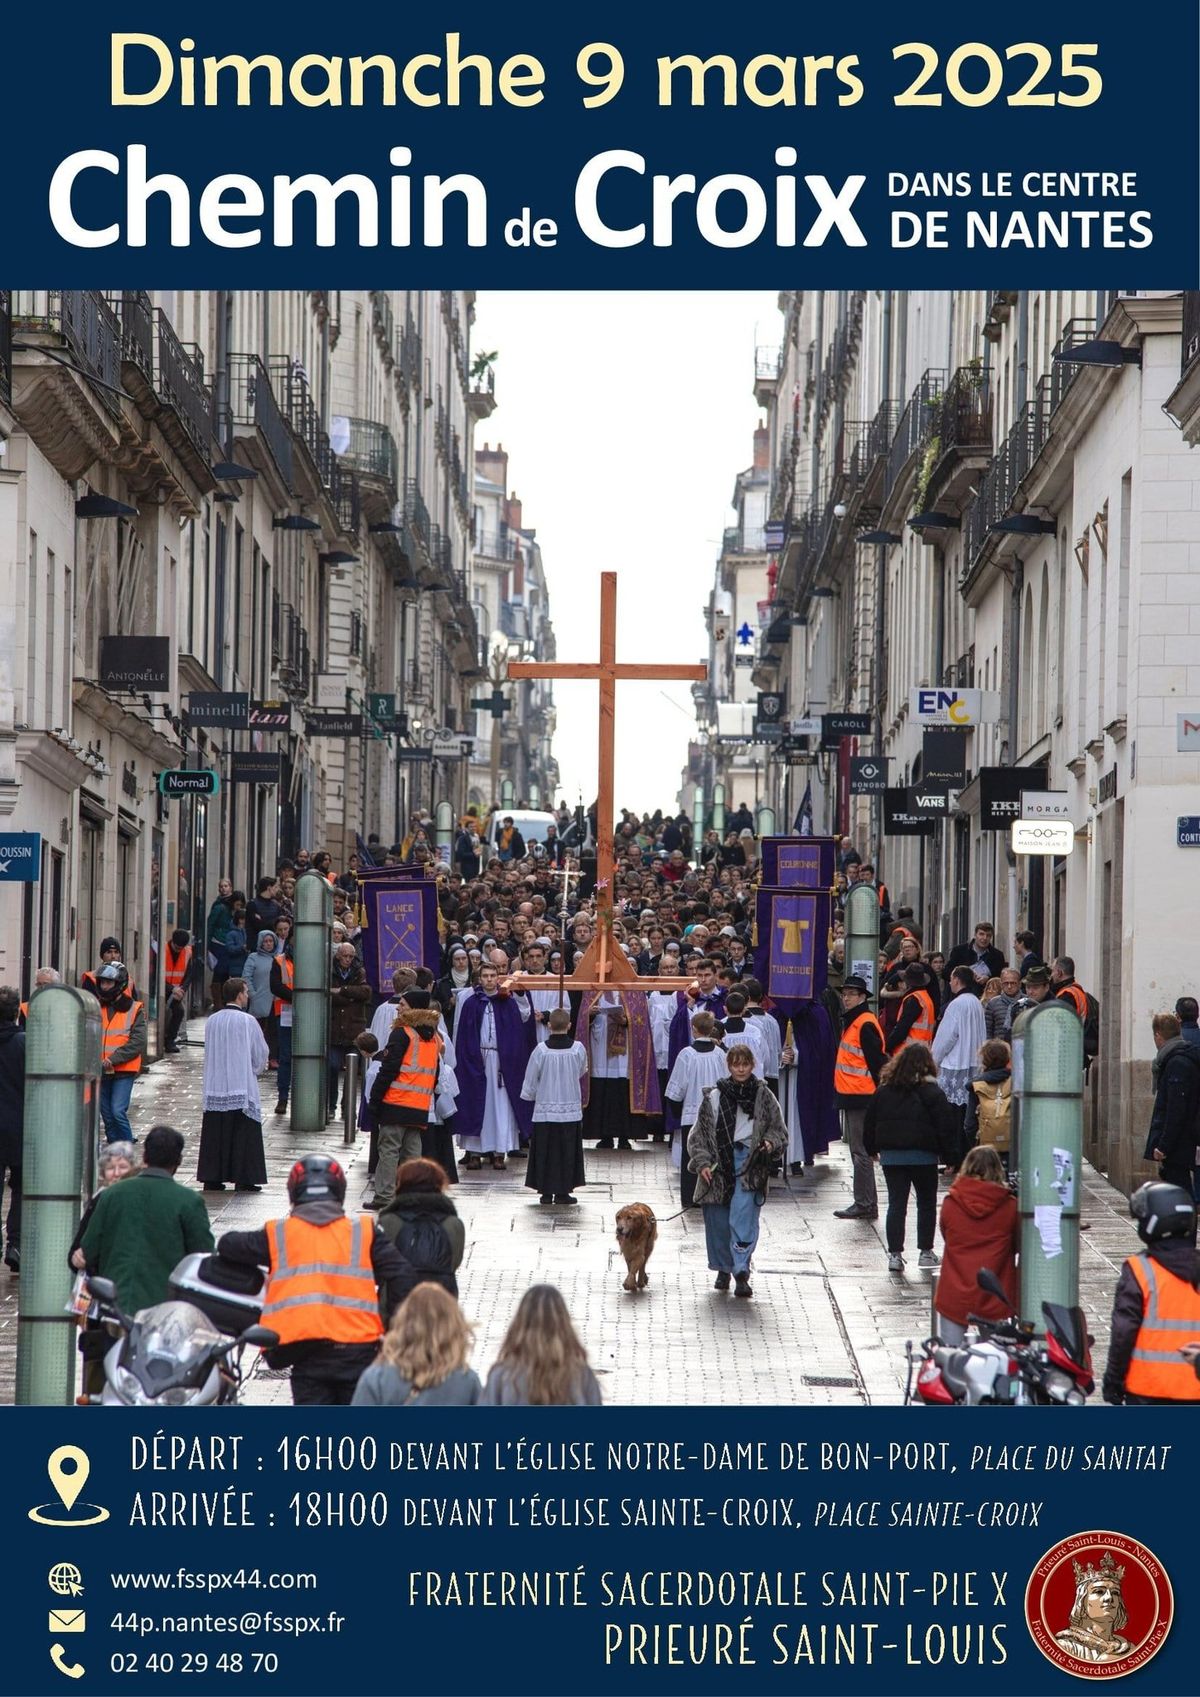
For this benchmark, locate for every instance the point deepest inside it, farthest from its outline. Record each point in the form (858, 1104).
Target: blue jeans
(115, 1090)
(283, 1078)
(731, 1228)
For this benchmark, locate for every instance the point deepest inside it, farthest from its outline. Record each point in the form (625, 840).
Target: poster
(792, 1524)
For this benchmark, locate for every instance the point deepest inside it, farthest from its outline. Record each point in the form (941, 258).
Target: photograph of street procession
(599, 848)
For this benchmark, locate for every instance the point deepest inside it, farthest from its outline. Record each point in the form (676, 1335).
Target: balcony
(497, 546)
(254, 409)
(960, 442)
(768, 363)
(372, 453)
(915, 426)
(165, 379)
(71, 406)
(5, 347)
(179, 380)
(481, 396)
(290, 381)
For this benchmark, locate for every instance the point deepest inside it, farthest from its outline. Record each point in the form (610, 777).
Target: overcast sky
(626, 418)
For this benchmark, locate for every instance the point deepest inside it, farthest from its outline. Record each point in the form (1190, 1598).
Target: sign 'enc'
(961, 707)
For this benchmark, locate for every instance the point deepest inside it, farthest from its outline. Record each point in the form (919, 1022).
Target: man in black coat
(981, 948)
(1175, 1120)
(12, 1119)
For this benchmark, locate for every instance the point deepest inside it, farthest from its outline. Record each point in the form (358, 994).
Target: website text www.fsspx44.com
(239, 1579)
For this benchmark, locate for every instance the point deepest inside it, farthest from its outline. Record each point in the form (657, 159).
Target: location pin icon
(68, 1468)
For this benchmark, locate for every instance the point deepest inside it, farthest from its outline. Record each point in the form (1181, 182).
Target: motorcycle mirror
(987, 1280)
(262, 1337)
(105, 1289)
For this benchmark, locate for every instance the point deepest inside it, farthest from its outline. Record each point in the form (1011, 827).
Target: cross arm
(552, 669)
(665, 673)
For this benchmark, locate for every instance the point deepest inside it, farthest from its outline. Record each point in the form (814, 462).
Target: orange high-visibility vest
(414, 1084)
(1170, 1318)
(287, 971)
(322, 1284)
(23, 1013)
(116, 1029)
(851, 1074)
(175, 966)
(1077, 998)
(921, 1030)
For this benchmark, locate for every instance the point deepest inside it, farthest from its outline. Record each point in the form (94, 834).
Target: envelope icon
(67, 1620)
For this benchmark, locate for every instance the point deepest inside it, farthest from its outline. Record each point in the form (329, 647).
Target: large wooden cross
(603, 965)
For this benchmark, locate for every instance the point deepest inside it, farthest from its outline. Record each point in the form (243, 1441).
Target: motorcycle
(170, 1355)
(1006, 1362)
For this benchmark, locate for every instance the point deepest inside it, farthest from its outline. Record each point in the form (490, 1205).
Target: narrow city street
(827, 1324)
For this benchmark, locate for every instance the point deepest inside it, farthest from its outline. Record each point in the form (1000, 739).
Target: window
(31, 632)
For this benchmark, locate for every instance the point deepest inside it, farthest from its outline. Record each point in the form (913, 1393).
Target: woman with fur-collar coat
(738, 1140)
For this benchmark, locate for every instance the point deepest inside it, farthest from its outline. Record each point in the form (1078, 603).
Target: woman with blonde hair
(423, 1358)
(541, 1361)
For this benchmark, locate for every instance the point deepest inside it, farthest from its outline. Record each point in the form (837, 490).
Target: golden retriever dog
(637, 1233)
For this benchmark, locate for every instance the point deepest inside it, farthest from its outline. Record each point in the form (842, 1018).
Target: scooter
(1005, 1362)
(170, 1355)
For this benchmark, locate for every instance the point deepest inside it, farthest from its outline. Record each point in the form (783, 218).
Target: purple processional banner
(806, 862)
(791, 956)
(399, 928)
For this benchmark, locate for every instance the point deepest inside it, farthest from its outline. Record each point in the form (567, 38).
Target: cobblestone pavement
(827, 1324)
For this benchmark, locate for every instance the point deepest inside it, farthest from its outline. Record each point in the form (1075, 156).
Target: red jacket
(981, 1228)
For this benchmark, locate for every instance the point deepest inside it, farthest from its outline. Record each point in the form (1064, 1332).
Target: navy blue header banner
(543, 1551)
(610, 147)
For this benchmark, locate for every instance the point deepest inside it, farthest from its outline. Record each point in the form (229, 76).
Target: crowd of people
(467, 1065)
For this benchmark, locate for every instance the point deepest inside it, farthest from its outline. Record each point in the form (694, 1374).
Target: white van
(531, 825)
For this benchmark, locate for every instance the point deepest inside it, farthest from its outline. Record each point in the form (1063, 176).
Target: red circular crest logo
(1099, 1605)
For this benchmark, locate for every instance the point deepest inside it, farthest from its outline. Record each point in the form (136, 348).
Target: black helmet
(1162, 1210)
(115, 974)
(315, 1178)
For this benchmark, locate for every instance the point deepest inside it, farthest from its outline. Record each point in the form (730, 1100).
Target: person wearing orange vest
(332, 1285)
(405, 1087)
(918, 1011)
(111, 954)
(43, 976)
(855, 1077)
(283, 982)
(177, 977)
(122, 1049)
(1156, 1310)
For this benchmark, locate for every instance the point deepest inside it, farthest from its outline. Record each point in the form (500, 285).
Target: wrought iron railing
(179, 381)
(136, 311)
(372, 451)
(491, 546)
(417, 513)
(303, 414)
(88, 326)
(252, 402)
(964, 416)
(384, 322)
(344, 496)
(914, 425)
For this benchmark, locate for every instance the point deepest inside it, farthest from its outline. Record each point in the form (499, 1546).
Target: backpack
(995, 1113)
(424, 1244)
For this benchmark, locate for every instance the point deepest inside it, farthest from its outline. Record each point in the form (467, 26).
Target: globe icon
(65, 1579)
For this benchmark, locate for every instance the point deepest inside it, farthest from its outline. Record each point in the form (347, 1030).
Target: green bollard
(507, 793)
(62, 1069)
(1047, 1151)
(765, 822)
(311, 939)
(699, 817)
(862, 939)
